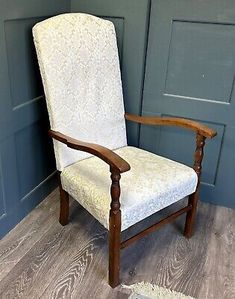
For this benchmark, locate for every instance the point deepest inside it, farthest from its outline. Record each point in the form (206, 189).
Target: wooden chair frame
(118, 166)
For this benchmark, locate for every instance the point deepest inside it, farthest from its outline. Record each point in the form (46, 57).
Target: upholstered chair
(79, 65)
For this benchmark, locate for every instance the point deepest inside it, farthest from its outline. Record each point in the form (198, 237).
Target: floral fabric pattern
(79, 64)
(152, 184)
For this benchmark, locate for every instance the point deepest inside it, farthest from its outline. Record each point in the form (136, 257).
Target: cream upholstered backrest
(79, 65)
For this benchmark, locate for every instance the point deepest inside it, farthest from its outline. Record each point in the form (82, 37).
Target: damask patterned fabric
(152, 184)
(79, 64)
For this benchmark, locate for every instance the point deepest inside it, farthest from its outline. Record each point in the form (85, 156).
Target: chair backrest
(79, 65)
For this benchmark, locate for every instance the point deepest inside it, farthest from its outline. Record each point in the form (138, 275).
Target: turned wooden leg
(193, 198)
(191, 215)
(114, 232)
(64, 205)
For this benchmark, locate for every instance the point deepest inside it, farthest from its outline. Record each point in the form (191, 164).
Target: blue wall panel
(27, 166)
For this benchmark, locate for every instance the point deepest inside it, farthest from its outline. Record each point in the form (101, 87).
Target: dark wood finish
(173, 121)
(193, 198)
(114, 230)
(155, 226)
(64, 204)
(117, 166)
(105, 154)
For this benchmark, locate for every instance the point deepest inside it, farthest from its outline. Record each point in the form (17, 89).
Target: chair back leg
(64, 205)
(191, 214)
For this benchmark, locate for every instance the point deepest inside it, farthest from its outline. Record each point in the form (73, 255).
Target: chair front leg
(114, 231)
(64, 205)
(193, 198)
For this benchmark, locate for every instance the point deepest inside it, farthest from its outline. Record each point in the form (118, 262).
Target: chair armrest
(105, 154)
(173, 121)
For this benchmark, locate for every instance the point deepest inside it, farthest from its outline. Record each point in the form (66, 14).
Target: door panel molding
(27, 171)
(190, 73)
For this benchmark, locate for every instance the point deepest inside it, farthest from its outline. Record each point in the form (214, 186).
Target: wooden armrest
(173, 121)
(105, 154)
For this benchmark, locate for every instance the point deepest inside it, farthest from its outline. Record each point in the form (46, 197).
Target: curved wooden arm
(105, 154)
(173, 121)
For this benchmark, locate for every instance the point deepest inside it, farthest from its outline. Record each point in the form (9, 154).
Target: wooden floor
(42, 259)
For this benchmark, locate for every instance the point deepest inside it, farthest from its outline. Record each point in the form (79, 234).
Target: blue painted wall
(190, 72)
(27, 166)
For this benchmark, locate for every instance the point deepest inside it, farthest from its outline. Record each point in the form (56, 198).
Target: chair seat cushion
(152, 184)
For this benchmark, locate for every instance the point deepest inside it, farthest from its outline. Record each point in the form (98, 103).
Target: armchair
(79, 65)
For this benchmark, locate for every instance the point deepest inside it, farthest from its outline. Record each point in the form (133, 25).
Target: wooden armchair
(78, 60)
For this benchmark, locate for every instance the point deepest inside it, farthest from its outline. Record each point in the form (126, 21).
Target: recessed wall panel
(34, 155)
(27, 167)
(24, 76)
(201, 62)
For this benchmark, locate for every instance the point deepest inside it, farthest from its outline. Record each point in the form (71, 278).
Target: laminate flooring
(41, 259)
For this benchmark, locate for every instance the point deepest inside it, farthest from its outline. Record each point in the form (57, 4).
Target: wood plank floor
(42, 259)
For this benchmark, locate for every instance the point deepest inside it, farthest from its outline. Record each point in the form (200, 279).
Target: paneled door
(27, 165)
(130, 18)
(191, 73)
